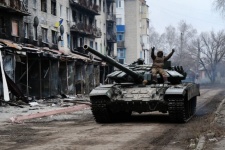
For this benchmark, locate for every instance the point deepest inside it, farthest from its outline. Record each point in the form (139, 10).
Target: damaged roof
(10, 44)
(47, 52)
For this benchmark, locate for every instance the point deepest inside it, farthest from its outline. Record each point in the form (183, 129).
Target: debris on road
(20, 119)
(33, 104)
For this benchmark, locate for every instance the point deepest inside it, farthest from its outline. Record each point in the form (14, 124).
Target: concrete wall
(132, 34)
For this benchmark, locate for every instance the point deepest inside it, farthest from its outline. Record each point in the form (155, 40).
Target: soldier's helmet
(140, 61)
(160, 53)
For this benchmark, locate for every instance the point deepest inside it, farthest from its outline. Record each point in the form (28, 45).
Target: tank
(125, 92)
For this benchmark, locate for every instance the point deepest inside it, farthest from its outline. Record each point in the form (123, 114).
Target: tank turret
(137, 71)
(138, 78)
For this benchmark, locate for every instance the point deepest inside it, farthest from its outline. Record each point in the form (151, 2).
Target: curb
(20, 119)
(201, 141)
(218, 110)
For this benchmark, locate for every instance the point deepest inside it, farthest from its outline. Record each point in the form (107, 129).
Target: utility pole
(181, 42)
(181, 47)
(198, 59)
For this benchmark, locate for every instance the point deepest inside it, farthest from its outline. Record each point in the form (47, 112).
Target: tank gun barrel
(137, 77)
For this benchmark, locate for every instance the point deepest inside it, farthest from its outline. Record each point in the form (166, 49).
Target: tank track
(100, 111)
(181, 110)
(102, 114)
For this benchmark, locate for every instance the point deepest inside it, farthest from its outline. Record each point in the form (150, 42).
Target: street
(79, 131)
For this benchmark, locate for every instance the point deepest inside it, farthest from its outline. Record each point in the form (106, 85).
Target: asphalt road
(79, 131)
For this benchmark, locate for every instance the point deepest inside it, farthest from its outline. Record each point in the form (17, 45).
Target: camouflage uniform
(158, 63)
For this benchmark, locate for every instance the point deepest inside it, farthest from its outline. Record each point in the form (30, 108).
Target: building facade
(50, 35)
(132, 30)
(11, 19)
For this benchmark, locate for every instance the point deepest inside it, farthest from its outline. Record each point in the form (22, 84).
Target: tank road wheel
(122, 115)
(100, 111)
(181, 110)
(102, 114)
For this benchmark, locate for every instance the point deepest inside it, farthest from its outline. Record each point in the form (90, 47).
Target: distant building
(132, 31)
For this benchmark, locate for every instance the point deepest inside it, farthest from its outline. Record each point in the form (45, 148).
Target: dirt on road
(79, 131)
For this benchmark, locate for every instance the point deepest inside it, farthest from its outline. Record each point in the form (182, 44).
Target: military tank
(126, 92)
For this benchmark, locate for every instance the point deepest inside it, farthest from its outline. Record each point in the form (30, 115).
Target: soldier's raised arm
(153, 54)
(168, 56)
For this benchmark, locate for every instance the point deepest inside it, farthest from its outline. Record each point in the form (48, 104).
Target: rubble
(42, 108)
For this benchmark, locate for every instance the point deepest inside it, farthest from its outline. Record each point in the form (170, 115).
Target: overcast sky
(199, 13)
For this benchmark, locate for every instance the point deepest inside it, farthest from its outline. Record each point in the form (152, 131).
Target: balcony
(85, 5)
(111, 17)
(111, 37)
(120, 44)
(97, 32)
(14, 7)
(87, 30)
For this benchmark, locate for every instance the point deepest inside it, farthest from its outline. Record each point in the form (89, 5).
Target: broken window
(121, 53)
(91, 44)
(81, 42)
(44, 5)
(74, 42)
(25, 30)
(95, 23)
(15, 28)
(2, 25)
(54, 37)
(68, 40)
(100, 5)
(118, 3)
(60, 10)
(120, 37)
(101, 47)
(74, 15)
(96, 45)
(35, 3)
(67, 14)
(80, 18)
(85, 20)
(103, 6)
(62, 41)
(44, 35)
(90, 20)
(35, 33)
(53, 7)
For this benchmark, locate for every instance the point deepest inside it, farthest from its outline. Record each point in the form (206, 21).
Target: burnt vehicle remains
(127, 94)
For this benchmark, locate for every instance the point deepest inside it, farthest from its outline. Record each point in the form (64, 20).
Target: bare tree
(153, 37)
(211, 47)
(220, 6)
(187, 33)
(156, 40)
(183, 57)
(170, 37)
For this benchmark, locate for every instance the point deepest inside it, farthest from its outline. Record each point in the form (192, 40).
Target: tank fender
(192, 90)
(102, 91)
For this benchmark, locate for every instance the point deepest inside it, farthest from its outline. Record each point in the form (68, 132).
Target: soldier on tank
(158, 63)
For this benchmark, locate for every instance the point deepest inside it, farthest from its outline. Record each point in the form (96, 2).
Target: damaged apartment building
(42, 45)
